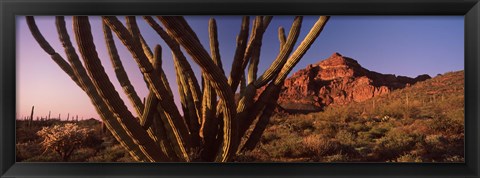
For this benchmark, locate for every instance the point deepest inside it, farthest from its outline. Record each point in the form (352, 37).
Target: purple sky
(401, 45)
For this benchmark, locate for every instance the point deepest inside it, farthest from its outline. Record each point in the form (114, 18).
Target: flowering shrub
(63, 140)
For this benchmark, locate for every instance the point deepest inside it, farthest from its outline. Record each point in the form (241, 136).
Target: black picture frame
(11, 8)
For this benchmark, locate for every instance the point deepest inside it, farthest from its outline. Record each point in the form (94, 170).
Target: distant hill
(427, 99)
(337, 80)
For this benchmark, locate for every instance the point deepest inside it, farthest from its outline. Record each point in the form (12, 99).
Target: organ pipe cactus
(120, 71)
(214, 125)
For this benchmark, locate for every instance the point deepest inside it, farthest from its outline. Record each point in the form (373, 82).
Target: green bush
(337, 158)
(408, 158)
(346, 138)
(393, 144)
(111, 154)
(27, 150)
(316, 147)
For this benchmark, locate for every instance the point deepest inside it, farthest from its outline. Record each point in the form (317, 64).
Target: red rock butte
(337, 80)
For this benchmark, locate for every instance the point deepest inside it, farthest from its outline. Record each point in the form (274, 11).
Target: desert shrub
(364, 138)
(342, 114)
(456, 115)
(455, 159)
(408, 158)
(337, 158)
(286, 147)
(93, 141)
(317, 146)
(327, 129)
(420, 127)
(364, 152)
(27, 150)
(268, 137)
(393, 144)
(114, 153)
(281, 141)
(377, 132)
(447, 125)
(63, 140)
(126, 159)
(44, 157)
(440, 147)
(299, 124)
(358, 127)
(394, 109)
(412, 112)
(435, 140)
(82, 154)
(256, 155)
(25, 134)
(346, 138)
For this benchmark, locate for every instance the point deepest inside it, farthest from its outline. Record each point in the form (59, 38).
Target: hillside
(337, 80)
(423, 122)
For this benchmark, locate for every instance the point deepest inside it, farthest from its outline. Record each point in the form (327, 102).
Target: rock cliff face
(337, 80)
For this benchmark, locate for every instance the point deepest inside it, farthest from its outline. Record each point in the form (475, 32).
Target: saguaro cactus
(213, 126)
(31, 118)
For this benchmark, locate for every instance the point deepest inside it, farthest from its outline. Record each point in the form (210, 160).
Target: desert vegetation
(53, 140)
(63, 140)
(213, 124)
(421, 123)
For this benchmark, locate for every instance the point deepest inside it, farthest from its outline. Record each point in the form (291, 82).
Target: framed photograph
(239, 89)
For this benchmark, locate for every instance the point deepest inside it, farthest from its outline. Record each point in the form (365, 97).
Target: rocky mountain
(337, 80)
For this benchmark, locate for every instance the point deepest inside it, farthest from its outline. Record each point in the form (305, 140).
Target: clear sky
(400, 45)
